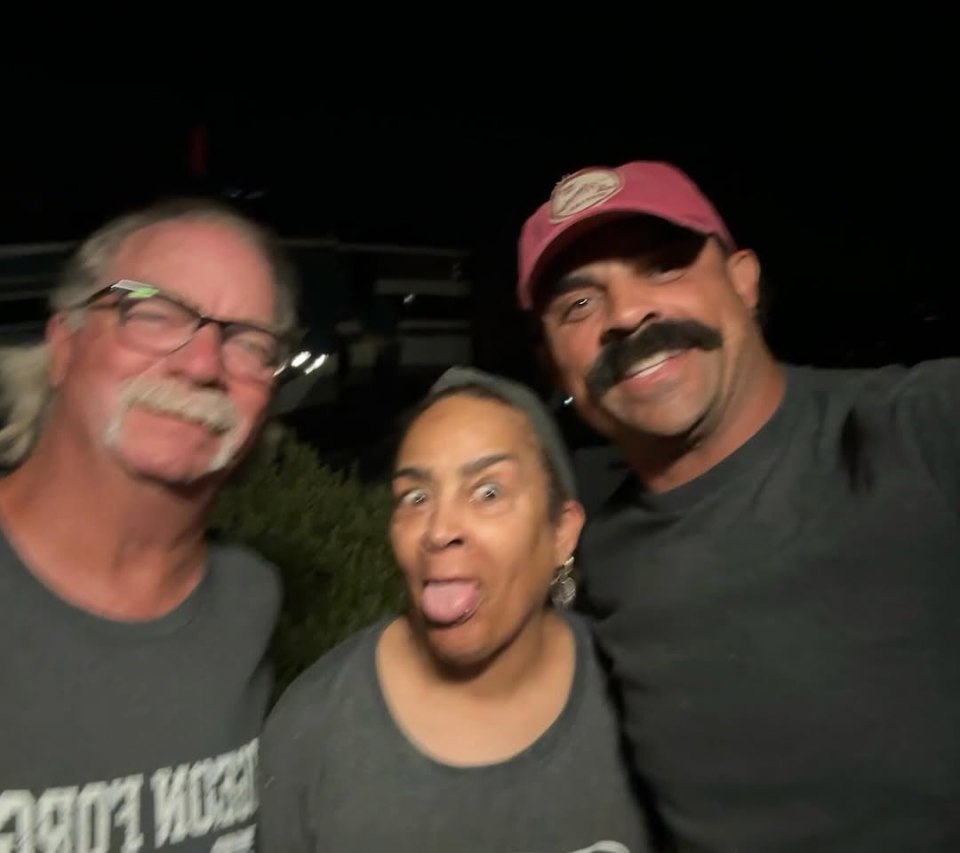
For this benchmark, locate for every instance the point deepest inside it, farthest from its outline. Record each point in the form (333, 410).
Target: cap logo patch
(584, 190)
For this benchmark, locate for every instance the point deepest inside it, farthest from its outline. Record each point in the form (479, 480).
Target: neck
(103, 539)
(665, 464)
(502, 674)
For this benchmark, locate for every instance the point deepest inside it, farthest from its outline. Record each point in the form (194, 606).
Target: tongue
(446, 602)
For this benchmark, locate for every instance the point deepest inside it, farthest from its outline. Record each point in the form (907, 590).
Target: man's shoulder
(881, 390)
(243, 573)
(881, 380)
(248, 564)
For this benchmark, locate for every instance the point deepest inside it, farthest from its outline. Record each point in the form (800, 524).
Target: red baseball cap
(585, 199)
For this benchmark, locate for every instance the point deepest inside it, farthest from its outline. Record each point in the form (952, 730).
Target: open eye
(576, 309)
(411, 499)
(487, 492)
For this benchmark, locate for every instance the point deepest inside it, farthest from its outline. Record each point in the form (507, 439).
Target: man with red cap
(775, 580)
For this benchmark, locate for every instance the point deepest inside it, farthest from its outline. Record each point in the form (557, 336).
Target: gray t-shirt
(134, 737)
(338, 774)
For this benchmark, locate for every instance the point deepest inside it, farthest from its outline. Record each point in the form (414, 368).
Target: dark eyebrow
(571, 281)
(486, 461)
(414, 472)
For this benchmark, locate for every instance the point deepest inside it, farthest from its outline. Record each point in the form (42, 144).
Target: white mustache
(205, 406)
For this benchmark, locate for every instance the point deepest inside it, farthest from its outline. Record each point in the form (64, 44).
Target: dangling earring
(563, 588)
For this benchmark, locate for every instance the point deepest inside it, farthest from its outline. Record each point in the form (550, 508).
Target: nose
(201, 358)
(630, 304)
(444, 527)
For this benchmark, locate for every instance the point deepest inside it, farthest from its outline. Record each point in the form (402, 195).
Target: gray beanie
(522, 398)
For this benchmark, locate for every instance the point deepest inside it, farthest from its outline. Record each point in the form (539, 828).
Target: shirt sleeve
(927, 407)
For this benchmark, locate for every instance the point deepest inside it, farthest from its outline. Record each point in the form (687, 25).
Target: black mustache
(623, 351)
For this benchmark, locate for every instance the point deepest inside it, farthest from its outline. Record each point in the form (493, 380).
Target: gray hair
(25, 391)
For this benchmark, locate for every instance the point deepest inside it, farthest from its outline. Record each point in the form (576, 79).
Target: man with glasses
(133, 673)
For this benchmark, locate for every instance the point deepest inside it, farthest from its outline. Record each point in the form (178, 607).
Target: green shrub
(328, 534)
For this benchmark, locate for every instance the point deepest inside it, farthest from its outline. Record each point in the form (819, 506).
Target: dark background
(847, 193)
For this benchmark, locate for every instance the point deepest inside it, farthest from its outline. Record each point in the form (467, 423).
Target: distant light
(300, 358)
(409, 298)
(568, 401)
(317, 362)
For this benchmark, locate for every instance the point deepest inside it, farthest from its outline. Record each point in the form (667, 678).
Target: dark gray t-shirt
(785, 628)
(338, 774)
(134, 737)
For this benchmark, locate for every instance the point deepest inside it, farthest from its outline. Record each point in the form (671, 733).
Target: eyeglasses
(157, 323)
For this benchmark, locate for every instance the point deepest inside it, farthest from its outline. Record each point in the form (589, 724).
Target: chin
(456, 649)
(173, 473)
(664, 421)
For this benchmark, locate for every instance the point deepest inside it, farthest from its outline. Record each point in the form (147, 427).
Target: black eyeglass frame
(130, 291)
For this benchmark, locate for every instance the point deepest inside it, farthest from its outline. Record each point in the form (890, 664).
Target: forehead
(460, 428)
(208, 263)
(630, 239)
